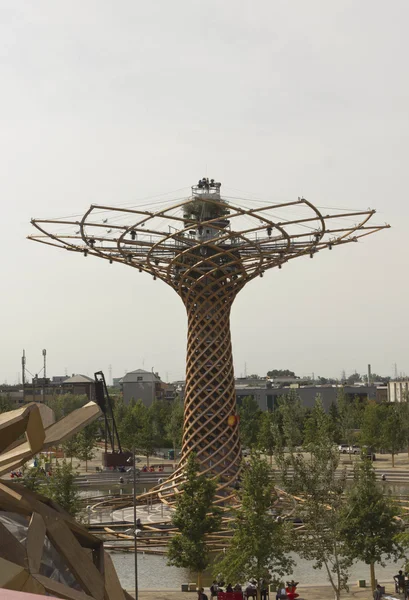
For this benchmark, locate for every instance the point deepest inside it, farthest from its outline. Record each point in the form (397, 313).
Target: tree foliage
(5, 404)
(63, 404)
(59, 485)
(174, 426)
(280, 373)
(195, 517)
(292, 415)
(259, 546)
(86, 440)
(249, 413)
(268, 434)
(62, 489)
(369, 526)
(315, 479)
(394, 428)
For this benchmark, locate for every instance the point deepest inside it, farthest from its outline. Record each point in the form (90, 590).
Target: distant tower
(45, 363)
(207, 250)
(23, 368)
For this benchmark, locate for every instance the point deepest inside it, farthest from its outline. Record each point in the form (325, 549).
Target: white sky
(113, 102)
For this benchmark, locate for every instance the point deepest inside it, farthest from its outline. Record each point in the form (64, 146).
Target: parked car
(346, 449)
(343, 448)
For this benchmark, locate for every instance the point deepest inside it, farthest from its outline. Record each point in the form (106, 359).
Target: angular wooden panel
(113, 588)
(62, 591)
(71, 424)
(76, 558)
(35, 542)
(35, 433)
(11, 549)
(12, 577)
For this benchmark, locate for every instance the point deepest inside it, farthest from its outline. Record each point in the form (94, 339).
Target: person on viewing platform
(214, 589)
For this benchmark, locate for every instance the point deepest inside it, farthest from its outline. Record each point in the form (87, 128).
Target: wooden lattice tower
(207, 248)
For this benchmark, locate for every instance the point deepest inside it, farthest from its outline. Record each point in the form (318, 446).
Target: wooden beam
(113, 587)
(35, 542)
(61, 590)
(76, 558)
(11, 549)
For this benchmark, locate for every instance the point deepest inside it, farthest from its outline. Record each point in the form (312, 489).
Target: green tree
(70, 447)
(174, 427)
(34, 478)
(161, 411)
(87, 438)
(249, 413)
(370, 434)
(292, 419)
(354, 378)
(347, 418)
(62, 489)
(195, 517)
(393, 434)
(63, 404)
(59, 486)
(280, 373)
(260, 542)
(333, 414)
(315, 479)
(268, 434)
(5, 404)
(147, 438)
(138, 429)
(369, 526)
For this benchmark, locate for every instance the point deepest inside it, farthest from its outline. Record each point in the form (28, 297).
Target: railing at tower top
(206, 186)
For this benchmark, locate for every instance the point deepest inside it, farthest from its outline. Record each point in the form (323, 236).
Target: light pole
(135, 532)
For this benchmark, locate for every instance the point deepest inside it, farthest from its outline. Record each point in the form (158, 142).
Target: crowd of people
(152, 469)
(248, 591)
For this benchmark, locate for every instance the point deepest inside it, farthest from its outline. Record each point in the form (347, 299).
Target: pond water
(155, 574)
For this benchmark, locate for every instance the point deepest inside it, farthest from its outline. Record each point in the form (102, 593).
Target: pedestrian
(214, 589)
(399, 582)
(201, 595)
(377, 595)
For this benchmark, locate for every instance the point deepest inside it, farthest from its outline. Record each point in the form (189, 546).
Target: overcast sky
(116, 102)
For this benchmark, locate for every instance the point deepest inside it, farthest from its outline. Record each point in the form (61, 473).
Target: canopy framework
(207, 248)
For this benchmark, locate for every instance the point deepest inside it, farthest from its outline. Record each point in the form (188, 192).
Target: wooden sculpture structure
(43, 549)
(207, 249)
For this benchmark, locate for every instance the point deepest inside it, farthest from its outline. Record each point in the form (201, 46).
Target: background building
(398, 391)
(142, 385)
(267, 396)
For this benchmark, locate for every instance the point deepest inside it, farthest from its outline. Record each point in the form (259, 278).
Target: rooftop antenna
(45, 363)
(23, 368)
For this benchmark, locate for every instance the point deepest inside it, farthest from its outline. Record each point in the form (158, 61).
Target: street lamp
(135, 533)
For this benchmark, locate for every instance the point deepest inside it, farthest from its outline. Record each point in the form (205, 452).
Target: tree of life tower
(207, 247)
